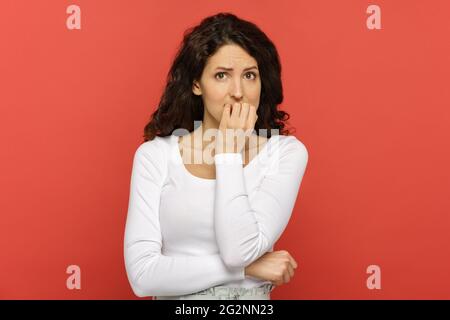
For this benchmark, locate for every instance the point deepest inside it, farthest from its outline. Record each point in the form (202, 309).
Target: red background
(371, 106)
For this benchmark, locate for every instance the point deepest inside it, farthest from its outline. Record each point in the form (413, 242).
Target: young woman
(206, 207)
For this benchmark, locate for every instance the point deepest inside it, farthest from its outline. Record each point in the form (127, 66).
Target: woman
(203, 217)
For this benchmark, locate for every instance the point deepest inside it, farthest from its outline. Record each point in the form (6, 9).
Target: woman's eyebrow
(231, 69)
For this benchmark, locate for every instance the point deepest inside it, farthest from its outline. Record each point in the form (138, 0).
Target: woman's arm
(150, 273)
(244, 230)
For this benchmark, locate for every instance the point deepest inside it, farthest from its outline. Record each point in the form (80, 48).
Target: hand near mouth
(236, 125)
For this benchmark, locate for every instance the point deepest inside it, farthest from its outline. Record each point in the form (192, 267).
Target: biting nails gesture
(236, 125)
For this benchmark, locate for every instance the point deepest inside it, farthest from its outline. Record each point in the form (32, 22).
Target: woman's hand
(237, 123)
(277, 267)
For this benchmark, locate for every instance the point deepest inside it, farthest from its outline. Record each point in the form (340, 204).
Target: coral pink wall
(371, 106)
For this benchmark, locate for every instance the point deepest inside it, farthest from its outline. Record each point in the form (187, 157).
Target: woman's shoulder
(157, 143)
(286, 150)
(157, 149)
(288, 143)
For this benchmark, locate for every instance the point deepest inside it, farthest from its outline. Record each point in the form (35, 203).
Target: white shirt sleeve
(149, 272)
(244, 230)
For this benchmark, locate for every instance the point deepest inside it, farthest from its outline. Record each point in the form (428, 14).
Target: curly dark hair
(179, 107)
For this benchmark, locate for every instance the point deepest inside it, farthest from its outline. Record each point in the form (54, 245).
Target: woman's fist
(277, 267)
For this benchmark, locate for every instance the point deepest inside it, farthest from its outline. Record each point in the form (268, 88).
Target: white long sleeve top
(184, 233)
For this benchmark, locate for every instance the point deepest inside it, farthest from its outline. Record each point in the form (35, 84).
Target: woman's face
(230, 75)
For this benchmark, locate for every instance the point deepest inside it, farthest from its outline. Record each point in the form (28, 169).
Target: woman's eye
(220, 73)
(251, 73)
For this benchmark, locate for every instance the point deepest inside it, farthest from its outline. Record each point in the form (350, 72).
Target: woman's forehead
(231, 57)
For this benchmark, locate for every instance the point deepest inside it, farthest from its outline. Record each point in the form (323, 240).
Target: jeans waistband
(232, 291)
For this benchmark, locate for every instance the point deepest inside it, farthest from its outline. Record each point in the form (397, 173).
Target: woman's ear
(196, 88)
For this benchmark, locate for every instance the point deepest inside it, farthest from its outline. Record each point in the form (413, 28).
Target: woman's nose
(236, 89)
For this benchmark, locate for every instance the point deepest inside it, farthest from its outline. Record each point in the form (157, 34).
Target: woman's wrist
(247, 271)
(228, 158)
